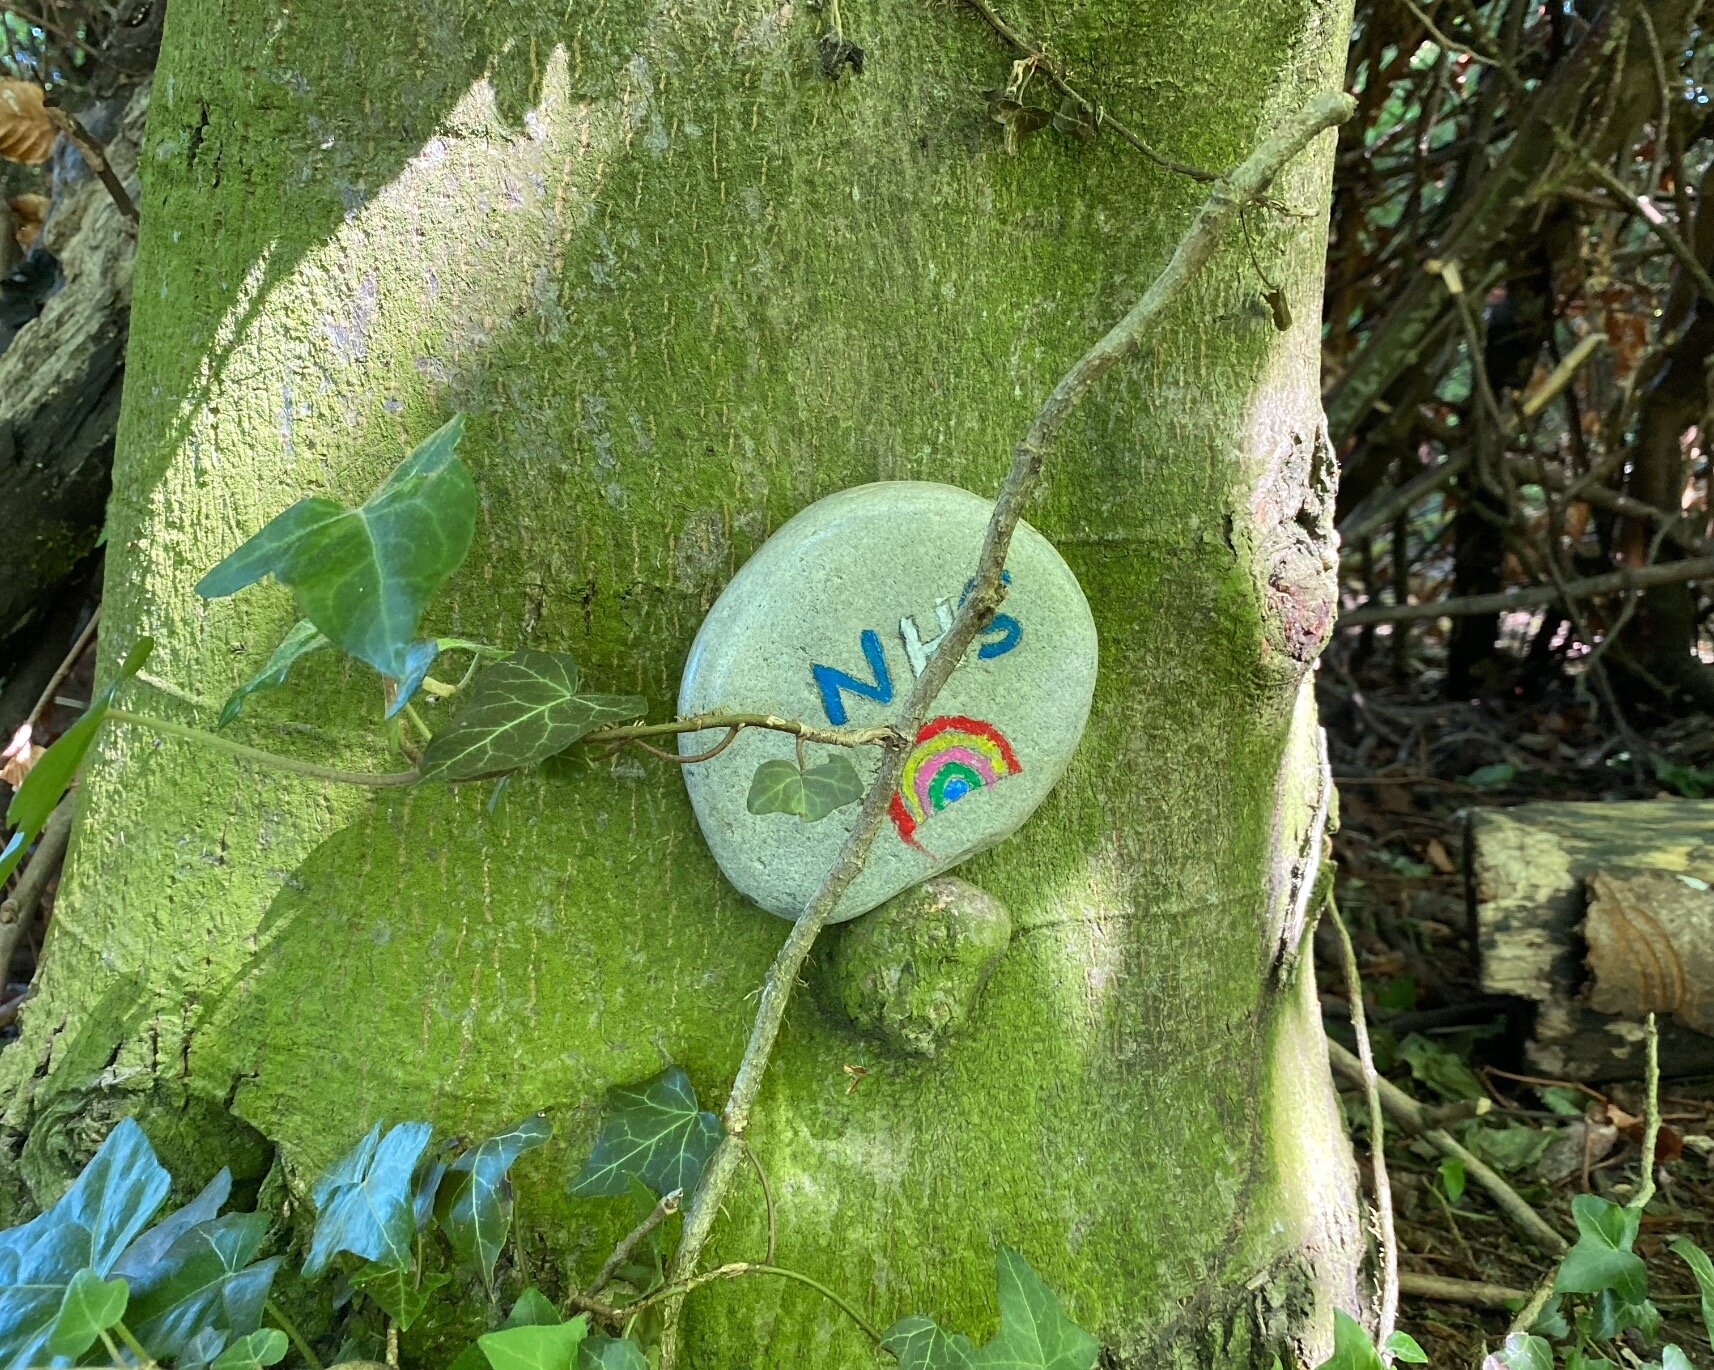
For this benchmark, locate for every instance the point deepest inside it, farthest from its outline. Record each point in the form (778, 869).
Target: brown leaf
(26, 132)
(1439, 858)
(20, 755)
(30, 211)
(1668, 1145)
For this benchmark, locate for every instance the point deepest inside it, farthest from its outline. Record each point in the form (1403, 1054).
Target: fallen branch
(1226, 200)
(1470, 1293)
(1533, 596)
(1405, 1111)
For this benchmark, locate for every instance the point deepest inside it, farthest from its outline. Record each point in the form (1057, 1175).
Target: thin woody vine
(399, 1214)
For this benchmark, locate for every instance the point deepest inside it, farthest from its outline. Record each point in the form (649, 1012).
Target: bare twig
(1389, 1310)
(1470, 1293)
(767, 1197)
(628, 1243)
(1226, 198)
(1651, 1117)
(80, 137)
(708, 723)
(64, 668)
(19, 908)
(671, 1293)
(1405, 1111)
(1051, 69)
(1531, 596)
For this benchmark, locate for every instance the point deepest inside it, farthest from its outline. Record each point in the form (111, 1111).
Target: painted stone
(831, 622)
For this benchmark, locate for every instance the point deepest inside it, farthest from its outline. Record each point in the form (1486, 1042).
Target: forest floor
(1410, 767)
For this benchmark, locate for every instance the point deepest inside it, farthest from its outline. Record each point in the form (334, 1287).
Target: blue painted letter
(832, 681)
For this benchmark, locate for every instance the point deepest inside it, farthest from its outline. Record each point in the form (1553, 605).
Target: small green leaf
(303, 639)
(1491, 776)
(401, 1293)
(1509, 1147)
(43, 788)
(1672, 1358)
(264, 1347)
(521, 711)
(533, 1309)
(364, 1201)
(1602, 1259)
(1452, 1178)
(1034, 1332)
(655, 1132)
(364, 575)
(812, 794)
(830, 787)
(1352, 1347)
(1521, 1352)
(1439, 1069)
(611, 1353)
(777, 787)
(920, 1343)
(91, 1305)
(1703, 1269)
(1567, 1103)
(474, 1205)
(1404, 1347)
(534, 1347)
(204, 1279)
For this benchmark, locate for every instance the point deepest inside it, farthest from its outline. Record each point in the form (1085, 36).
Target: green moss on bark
(685, 286)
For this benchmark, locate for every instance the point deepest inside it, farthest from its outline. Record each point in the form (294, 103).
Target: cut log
(1600, 914)
(59, 391)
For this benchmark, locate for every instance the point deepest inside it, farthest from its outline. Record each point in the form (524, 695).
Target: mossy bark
(685, 284)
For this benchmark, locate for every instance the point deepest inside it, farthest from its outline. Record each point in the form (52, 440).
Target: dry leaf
(1439, 858)
(20, 755)
(26, 132)
(30, 211)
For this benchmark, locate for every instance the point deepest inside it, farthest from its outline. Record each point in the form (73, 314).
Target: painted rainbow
(953, 757)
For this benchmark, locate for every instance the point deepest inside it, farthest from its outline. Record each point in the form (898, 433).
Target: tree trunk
(686, 284)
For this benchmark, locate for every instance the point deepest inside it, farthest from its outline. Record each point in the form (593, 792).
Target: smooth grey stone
(831, 622)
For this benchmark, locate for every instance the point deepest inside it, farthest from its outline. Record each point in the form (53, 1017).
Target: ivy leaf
(812, 794)
(261, 1348)
(144, 1256)
(655, 1132)
(1672, 1358)
(1703, 1269)
(1452, 1178)
(920, 1343)
(1441, 1070)
(1034, 1332)
(205, 1279)
(611, 1353)
(91, 1305)
(1352, 1347)
(106, 1207)
(363, 1203)
(1521, 1352)
(303, 639)
(1602, 1259)
(533, 1309)
(364, 575)
(534, 1347)
(522, 710)
(1018, 119)
(1510, 1147)
(399, 1291)
(474, 1205)
(1404, 1347)
(43, 788)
